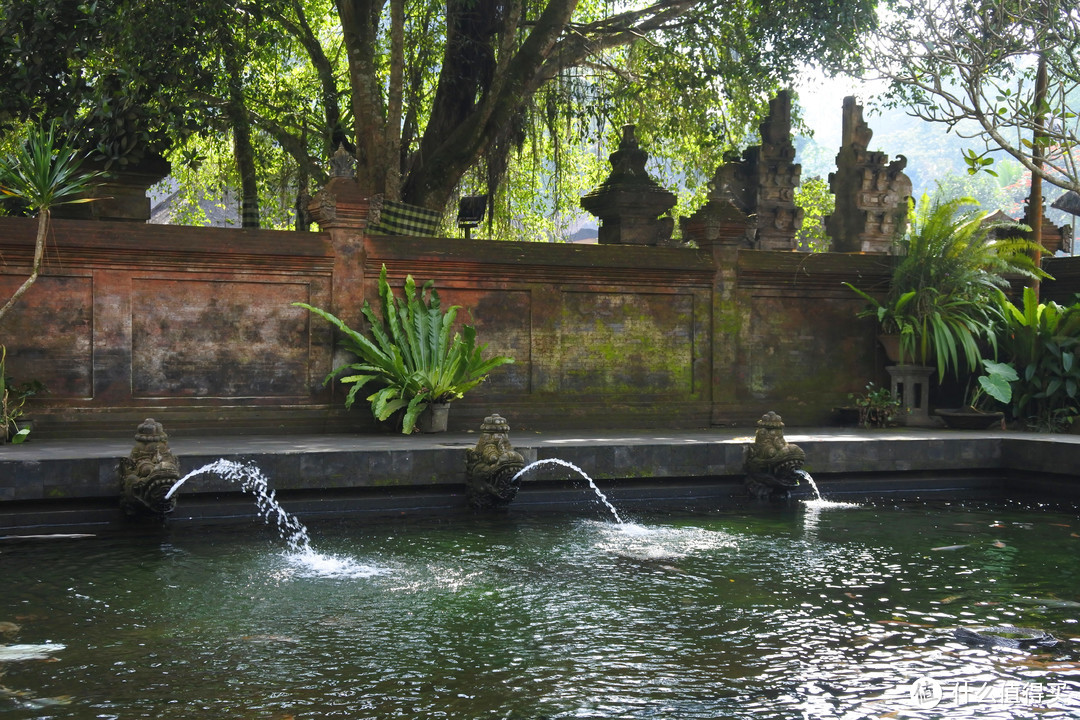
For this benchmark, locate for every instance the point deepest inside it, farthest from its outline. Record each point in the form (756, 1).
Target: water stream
(819, 501)
(579, 471)
(295, 534)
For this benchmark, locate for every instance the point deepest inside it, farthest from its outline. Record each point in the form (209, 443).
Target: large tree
(424, 91)
(122, 76)
(497, 56)
(975, 66)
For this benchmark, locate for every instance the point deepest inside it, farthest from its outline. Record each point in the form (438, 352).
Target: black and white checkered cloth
(398, 218)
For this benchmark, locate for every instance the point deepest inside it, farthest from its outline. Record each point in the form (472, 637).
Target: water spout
(818, 501)
(809, 481)
(579, 471)
(252, 480)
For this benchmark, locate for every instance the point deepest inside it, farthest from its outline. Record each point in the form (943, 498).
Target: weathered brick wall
(193, 326)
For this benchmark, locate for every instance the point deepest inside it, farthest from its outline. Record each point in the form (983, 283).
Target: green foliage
(410, 356)
(817, 203)
(951, 270)
(878, 407)
(123, 77)
(995, 384)
(12, 399)
(44, 172)
(1041, 341)
(974, 68)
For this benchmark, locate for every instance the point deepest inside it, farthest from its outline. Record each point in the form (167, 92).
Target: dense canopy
(431, 97)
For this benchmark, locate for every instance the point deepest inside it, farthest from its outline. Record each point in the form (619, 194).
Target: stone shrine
(871, 193)
(629, 203)
(762, 182)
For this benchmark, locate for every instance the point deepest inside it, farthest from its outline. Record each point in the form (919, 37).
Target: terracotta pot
(891, 345)
(434, 418)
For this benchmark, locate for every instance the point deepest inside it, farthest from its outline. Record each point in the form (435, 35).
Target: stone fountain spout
(492, 467)
(148, 473)
(773, 465)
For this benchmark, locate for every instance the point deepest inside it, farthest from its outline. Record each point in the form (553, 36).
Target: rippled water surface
(800, 612)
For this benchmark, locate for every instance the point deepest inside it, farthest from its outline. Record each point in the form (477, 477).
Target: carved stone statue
(148, 473)
(772, 464)
(491, 466)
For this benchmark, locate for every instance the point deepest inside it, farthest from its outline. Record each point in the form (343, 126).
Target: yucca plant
(43, 172)
(951, 270)
(410, 356)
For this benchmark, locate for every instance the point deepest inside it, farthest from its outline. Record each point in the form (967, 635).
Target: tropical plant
(993, 384)
(877, 407)
(951, 270)
(42, 173)
(12, 399)
(1041, 341)
(410, 355)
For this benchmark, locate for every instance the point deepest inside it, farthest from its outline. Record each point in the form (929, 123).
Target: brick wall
(193, 326)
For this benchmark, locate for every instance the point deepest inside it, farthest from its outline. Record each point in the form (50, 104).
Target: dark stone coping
(75, 482)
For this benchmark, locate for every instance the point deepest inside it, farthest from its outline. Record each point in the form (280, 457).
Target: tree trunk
(392, 158)
(461, 127)
(359, 25)
(39, 256)
(243, 152)
(1035, 200)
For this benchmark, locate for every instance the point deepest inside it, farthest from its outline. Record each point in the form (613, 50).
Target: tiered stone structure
(762, 183)
(629, 203)
(871, 193)
(1053, 236)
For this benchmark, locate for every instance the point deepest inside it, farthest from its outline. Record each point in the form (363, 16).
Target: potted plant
(949, 271)
(993, 385)
(877, 407)
(416, 366)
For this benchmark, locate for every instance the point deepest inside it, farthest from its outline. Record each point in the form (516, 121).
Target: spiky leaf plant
(410, 356)
(43, 172)
(952, 268)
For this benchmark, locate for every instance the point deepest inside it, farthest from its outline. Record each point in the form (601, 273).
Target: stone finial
(342, 163)
(761, 183)
(629, 202)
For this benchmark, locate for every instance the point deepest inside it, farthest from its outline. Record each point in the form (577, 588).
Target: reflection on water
(799, 613)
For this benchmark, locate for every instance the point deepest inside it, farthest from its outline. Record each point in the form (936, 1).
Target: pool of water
(796, 612)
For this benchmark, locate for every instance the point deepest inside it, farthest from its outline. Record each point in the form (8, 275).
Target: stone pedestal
(911, 385)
